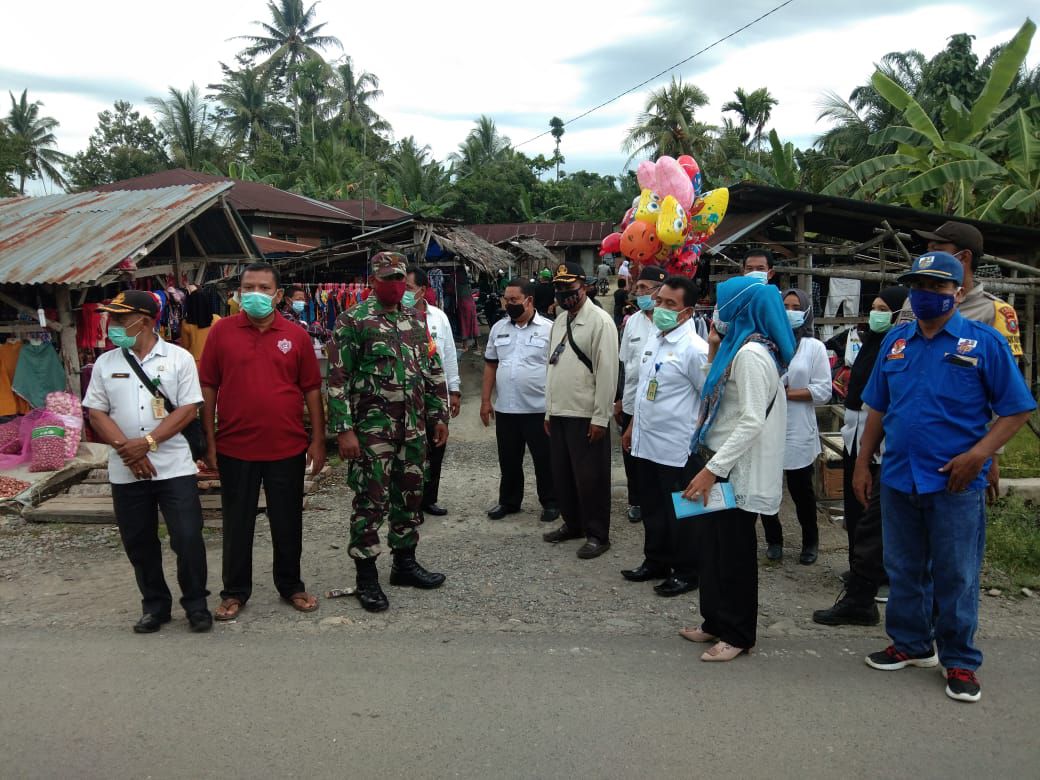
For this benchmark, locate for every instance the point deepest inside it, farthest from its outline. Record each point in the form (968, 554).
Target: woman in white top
(808, 383)
(741, 439)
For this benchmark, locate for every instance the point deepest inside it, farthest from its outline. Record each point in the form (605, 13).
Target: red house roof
(552, 234)
(375, 212)
(248, 197)
(273, 246)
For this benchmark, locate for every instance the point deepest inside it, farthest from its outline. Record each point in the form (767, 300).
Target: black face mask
(567, 299)
(515, 311)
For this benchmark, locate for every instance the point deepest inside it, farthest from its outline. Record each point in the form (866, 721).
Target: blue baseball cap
(936, 265)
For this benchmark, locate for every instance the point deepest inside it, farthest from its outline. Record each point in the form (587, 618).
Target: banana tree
(954, 170)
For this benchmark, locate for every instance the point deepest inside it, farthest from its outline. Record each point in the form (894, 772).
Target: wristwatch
(153, 446)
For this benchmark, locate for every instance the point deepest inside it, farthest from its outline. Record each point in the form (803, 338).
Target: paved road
(337, 704)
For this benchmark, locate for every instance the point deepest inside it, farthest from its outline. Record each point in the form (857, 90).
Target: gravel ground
(501, 576)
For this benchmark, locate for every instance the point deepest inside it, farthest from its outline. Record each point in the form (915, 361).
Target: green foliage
(33, 138)
(1021, 458)
(1013, 541)
(189, 128)
(12, 161)
(667, 125)
(123, 145)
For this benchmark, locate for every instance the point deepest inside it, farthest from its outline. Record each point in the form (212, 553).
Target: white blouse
(748, 443)
(809, 370)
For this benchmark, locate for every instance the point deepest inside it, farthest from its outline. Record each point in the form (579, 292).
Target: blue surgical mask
(645, 302)
(257, 305)
(409, 298)
(299, 306)
(929, 305)
(796, 318)
(762, 276)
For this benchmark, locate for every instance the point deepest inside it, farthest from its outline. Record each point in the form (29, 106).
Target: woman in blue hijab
(741, 440)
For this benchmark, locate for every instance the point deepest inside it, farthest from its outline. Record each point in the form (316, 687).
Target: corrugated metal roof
(375, 212)
(247, 196)
(549, 233)
(77, 238)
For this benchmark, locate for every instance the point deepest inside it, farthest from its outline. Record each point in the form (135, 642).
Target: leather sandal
(302, 601)
(697, 635)
(228, 609)
(722, 651)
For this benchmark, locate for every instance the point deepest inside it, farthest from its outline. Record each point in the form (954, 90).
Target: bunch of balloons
(670, 220)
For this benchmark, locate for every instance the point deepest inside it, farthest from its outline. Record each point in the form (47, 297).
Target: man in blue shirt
(936, 387)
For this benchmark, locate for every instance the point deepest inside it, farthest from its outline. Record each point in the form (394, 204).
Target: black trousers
(581, 474)
(631, 472)
(669, 543)
(240, 482)
(800, 486)
(137, 506)
(435, 459)
(863, 526)
(514, 432)
(728, 562)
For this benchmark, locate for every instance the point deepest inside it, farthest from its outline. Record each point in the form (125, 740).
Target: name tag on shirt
(120, 376)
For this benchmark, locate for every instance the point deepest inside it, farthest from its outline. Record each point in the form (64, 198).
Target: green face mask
(408, 299)
(665, 319)
(117, 335)
(880, 321)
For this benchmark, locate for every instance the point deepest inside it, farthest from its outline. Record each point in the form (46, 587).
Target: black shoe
(963, 685)
(810, 552)
(644, 573)
(549, 514)
(775, 552)
(561, 534)
(890, 659)
(200, 621)
(848, 612)
(497, 512)
(845, 577)
(436, 511)
(407, 573)
(675, 586)
(593, 548)
(372, 597)
(149, 623)
(635, 513)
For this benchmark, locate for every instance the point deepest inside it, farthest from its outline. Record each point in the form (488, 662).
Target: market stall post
(69, 351)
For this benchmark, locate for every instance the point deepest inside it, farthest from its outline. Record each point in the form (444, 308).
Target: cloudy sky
(443, 64)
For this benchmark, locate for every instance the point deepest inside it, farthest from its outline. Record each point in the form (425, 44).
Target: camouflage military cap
(388, 263)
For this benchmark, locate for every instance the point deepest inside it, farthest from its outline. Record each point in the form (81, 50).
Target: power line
(663, 72)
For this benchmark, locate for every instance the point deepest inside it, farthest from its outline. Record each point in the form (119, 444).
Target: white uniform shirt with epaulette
(522, 356)
(634, 337)
(116, 391)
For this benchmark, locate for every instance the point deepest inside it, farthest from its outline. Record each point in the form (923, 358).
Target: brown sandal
(228, 609)
(302, 601)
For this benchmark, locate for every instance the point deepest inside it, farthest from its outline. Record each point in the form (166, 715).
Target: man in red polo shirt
(257, 372)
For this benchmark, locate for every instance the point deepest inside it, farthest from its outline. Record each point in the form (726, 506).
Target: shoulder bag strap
(155, 391)
(581, 355)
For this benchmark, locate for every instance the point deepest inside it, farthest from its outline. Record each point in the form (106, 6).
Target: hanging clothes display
(841, 293)
(39, 372)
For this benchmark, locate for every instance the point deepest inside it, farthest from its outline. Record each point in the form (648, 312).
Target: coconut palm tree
(246, 109)
(483, 144)
(290, 38)
(35, 136)
(189, 128)
(417, 182)
(352, 93)
(557, 131)
(668, 126)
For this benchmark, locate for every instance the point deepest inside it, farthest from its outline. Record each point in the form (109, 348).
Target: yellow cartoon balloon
(649, 207)
(708, 218)
(672, 222)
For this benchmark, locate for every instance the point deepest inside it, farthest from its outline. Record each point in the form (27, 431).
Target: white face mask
(762, 276)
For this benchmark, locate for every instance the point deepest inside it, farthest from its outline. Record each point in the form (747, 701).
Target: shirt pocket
(897, 379)
(962, 384)
(378, 360)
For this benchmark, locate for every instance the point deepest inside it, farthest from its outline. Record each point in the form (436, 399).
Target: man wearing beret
(936, 387)
(151, 467)
(386, 388)
(579, 402)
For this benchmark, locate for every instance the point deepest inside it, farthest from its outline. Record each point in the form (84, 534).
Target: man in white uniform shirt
(151, 466)
(515, 363)
(417, 284)
(634, 337)
(667, 403)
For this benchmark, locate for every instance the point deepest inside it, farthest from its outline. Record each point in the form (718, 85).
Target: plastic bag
(68, 408)
(10, 438)
(852, 347)
(20, 454)
(47, 445)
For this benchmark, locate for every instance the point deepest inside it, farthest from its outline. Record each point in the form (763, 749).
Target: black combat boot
(369, 593)
(407, 572)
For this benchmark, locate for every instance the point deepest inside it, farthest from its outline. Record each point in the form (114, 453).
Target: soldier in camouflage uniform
(386, 385)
